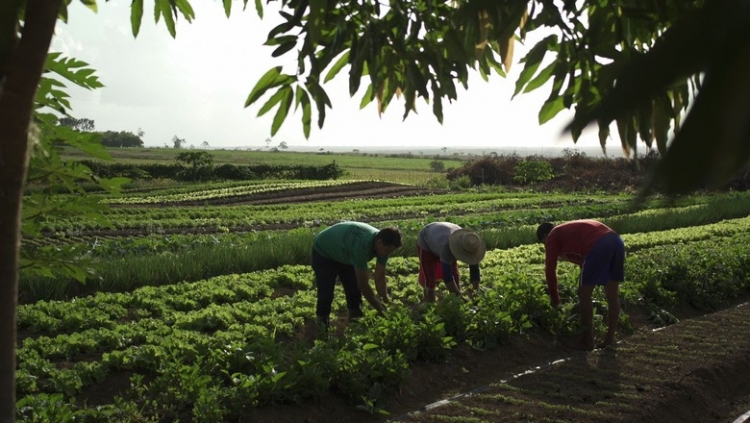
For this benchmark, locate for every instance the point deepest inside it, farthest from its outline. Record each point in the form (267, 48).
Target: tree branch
(8, 32)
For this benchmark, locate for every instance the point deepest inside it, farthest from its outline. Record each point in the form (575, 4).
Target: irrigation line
(743, 418)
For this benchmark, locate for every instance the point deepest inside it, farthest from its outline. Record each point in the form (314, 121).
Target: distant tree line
(120, 139)
(198, 166)
(108, 138)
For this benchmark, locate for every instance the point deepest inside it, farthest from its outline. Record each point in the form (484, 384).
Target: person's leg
(427, 263)
(421, 278)
(586, 309)
(325, 280)
(612, 291)
(596, 270)
(348, 278)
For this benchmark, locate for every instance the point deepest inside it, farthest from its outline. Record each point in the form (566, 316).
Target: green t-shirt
(349, 243)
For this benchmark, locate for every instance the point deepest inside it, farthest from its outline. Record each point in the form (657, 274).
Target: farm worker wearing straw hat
(600, 253)
(439, 246)
(343, 250)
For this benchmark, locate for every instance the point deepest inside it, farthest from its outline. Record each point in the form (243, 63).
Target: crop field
(202, 304)
(408, 168)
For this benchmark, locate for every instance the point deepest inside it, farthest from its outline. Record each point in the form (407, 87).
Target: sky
(195, 86)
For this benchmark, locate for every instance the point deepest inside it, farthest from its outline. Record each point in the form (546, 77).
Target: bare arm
(474, 276)
(450, 282)
(380, 282)
(363, 281)
(550, 271)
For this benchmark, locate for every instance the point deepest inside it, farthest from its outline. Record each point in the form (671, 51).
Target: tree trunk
(17, 93)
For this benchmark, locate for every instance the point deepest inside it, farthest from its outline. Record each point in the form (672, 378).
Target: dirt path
(697, 370)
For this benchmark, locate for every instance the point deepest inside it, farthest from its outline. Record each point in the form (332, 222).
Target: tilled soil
(697, 370)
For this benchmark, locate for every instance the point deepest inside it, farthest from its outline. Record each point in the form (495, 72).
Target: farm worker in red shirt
(343, 250)
(439, 246)
(600, 253)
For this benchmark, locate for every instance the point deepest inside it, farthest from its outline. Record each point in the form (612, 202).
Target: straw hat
(467, 246)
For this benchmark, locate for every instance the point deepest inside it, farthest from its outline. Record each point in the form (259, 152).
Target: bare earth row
(694, 371)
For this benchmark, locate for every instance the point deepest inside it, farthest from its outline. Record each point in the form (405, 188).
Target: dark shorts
(605, 262)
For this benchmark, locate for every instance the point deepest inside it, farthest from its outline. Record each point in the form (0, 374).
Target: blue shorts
(605, 262)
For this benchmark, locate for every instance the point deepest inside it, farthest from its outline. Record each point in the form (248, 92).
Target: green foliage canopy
(637, 63)
(83, 124)
(120, 139)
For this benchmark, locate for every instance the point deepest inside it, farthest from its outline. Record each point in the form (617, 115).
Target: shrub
(488, 170)
(234, 173)
(437, 166)
(530, 172)
(437, 182)
(462, 182)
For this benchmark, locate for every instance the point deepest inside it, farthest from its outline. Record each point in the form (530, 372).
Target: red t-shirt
(570, 241)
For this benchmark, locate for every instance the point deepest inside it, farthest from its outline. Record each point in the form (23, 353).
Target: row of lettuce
(173, 216)
(480, 210)
(122, 263)
(223, 348)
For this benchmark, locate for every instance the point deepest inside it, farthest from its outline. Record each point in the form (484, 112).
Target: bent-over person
(439, 246)
(600, 253)
(342, 251)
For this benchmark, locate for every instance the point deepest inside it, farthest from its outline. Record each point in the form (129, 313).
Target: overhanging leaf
(340, 63)
(280, 50)
(714, 142)
(603, 135)
(321, 100)
(304, 100)
(532, 61)
(186, 9)
(275, 99)
(367, 97)
(283, 110)
(541, 78)
(136, 16)
(550, 109)
(164, 8)
(683, 50)
(316, 19)
(270, 79)
(91, 4)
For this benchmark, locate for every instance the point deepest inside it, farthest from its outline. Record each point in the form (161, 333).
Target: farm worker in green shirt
(439, 246)
(600, 253)
(343, 250)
